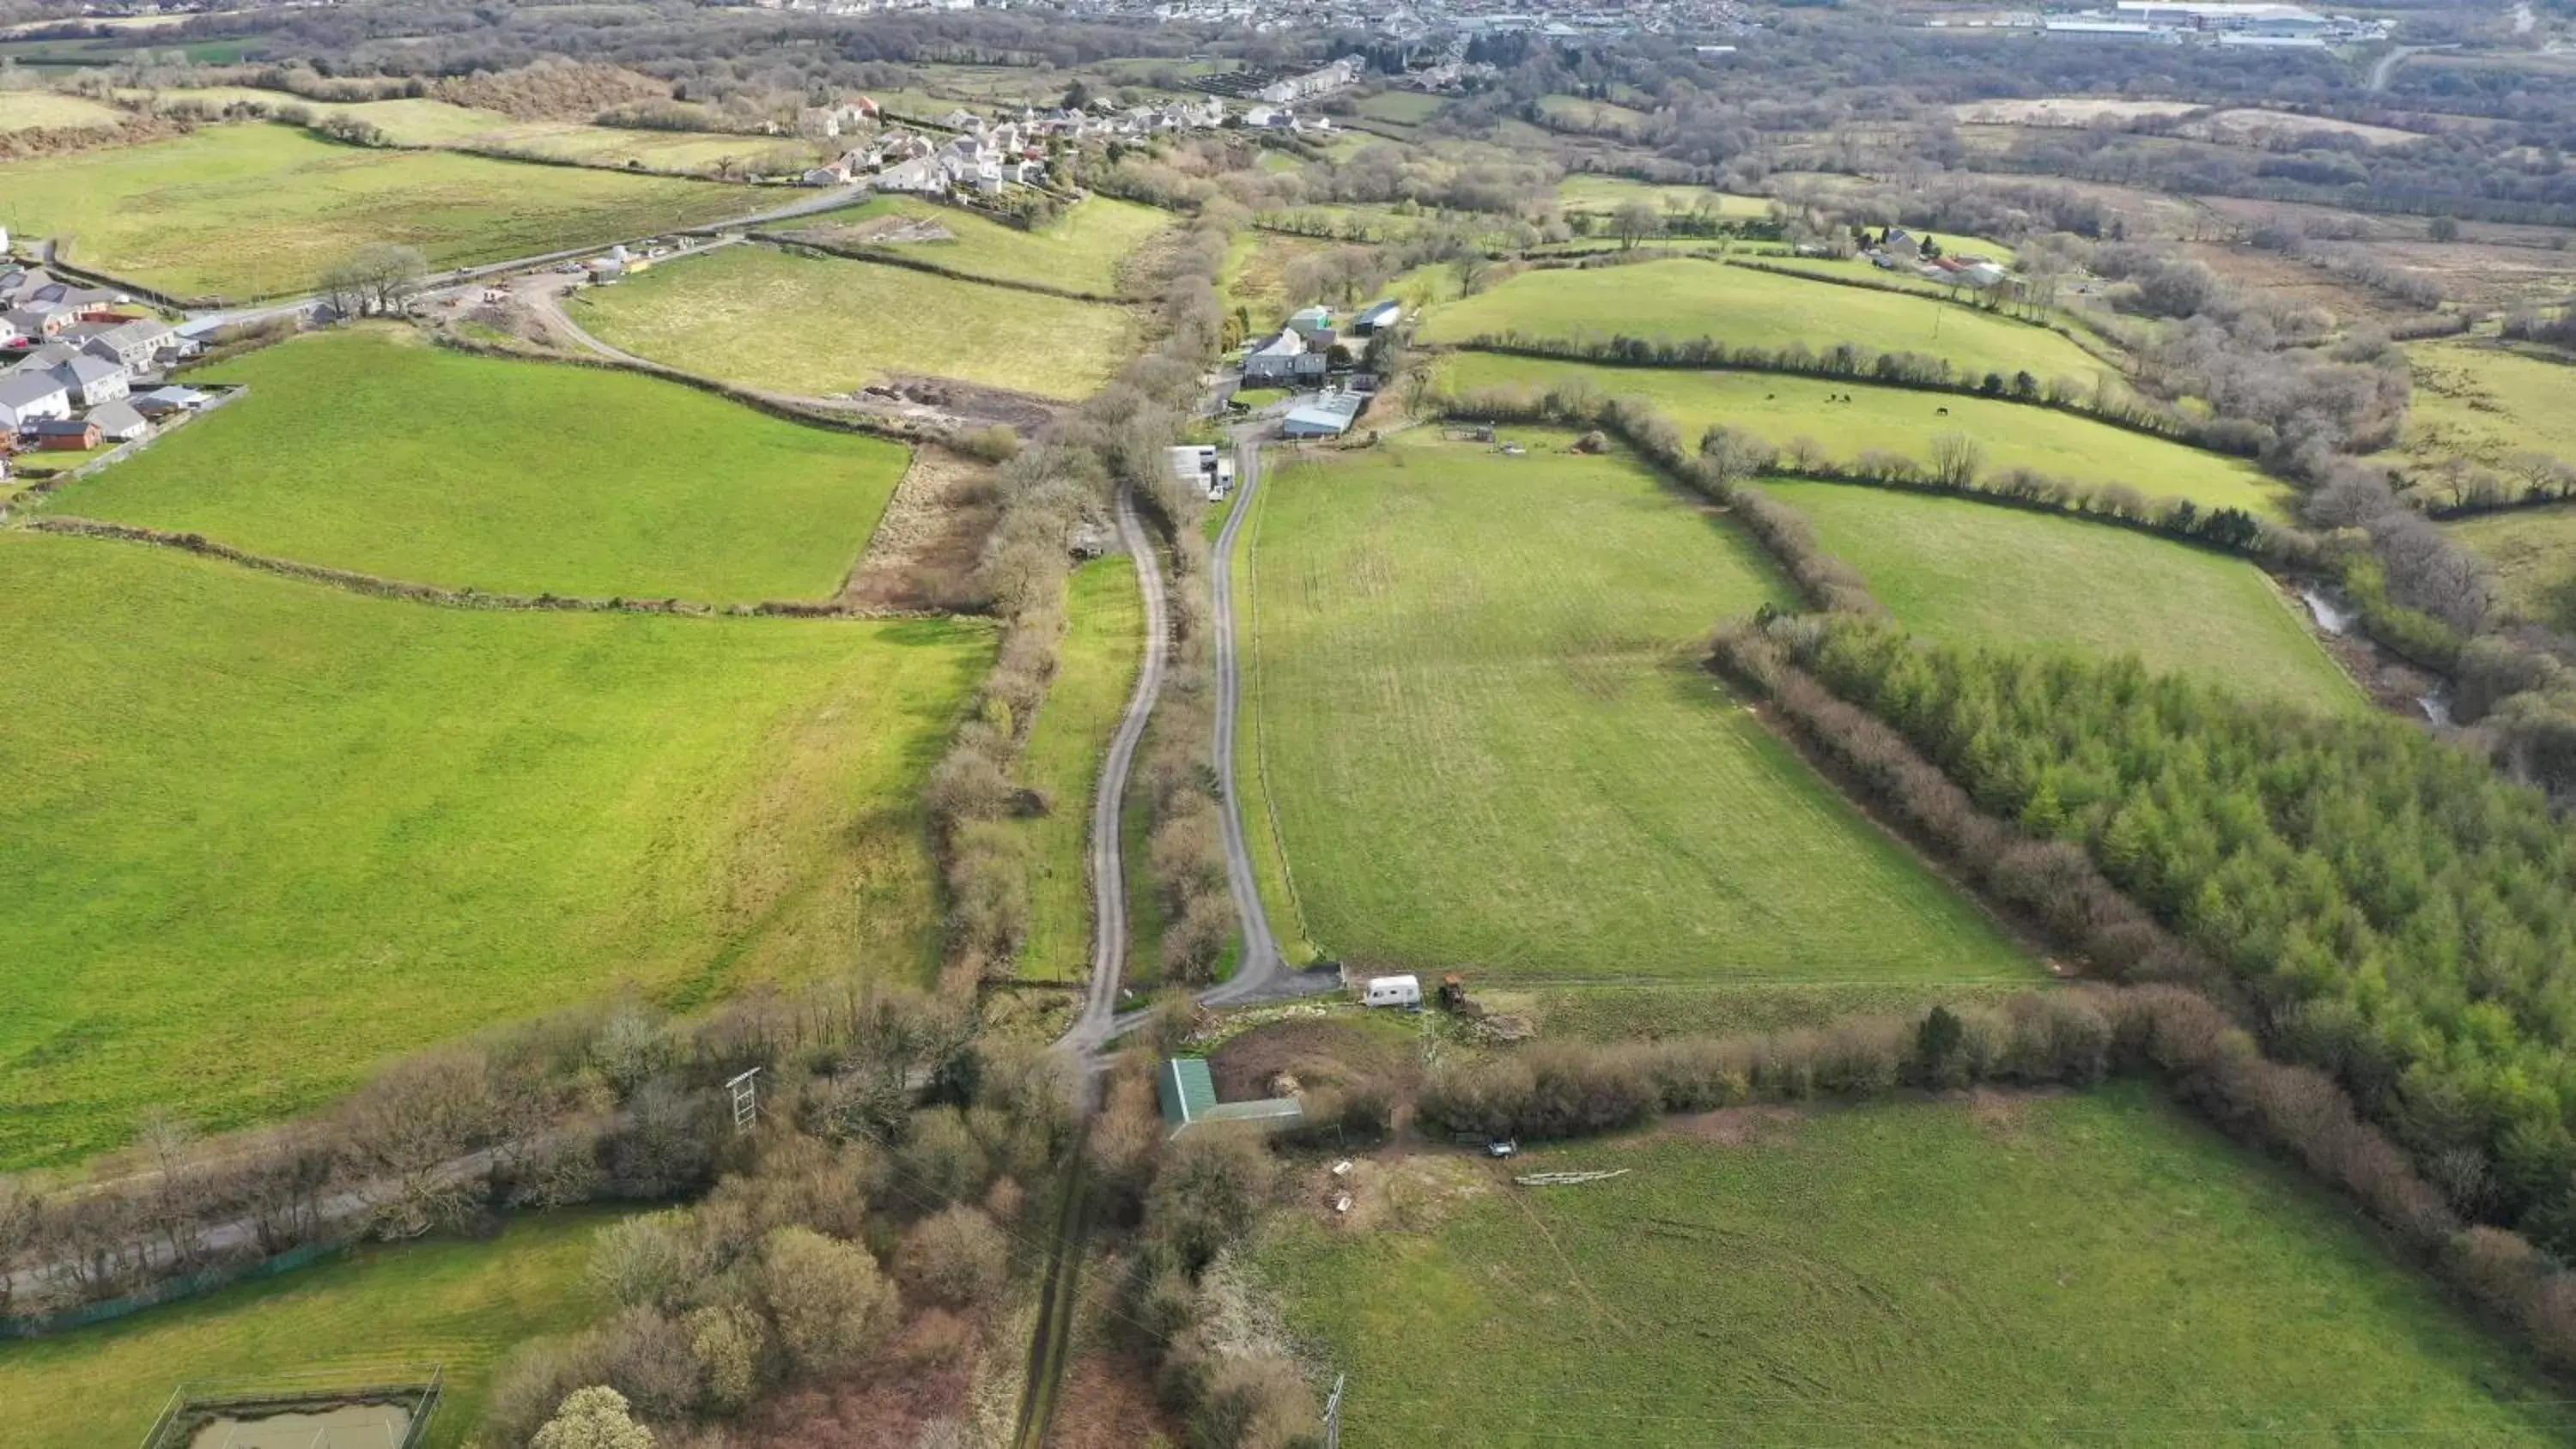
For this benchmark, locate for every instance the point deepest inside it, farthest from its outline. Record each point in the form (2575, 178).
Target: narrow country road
(1109, 936)
(1262, 961)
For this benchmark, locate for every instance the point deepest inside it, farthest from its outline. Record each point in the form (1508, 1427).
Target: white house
(30, 398)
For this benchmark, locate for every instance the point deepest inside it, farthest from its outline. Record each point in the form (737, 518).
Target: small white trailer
(1393, 991)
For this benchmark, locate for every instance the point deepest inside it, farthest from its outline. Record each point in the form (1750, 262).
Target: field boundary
(1867, 284)
(773, 404)
(889, 256)
(1261, 736)
(223, 394)
(351, 581)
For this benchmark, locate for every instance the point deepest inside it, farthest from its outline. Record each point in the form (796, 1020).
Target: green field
(2065, 1270)
(418, 121)
(1977, 573)
(372, 451)
(252, 210)
(2534, 554)
(26, 110)
(818, 324)
(2486, 403)
(459, 1304)
(1584, 191)
(1094, 674)
(1475, 696)
(261, 835)
(1589, 115)
(1896, 420)
(1083, 251)
(1402, 108)
(1684, 299)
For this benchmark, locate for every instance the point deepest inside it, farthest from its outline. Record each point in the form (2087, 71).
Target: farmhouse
(1284, 358)
(1188, 1095)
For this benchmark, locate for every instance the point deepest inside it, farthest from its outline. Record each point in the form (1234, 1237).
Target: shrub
(826, 1299)
(956, 1257)
(593, 1418)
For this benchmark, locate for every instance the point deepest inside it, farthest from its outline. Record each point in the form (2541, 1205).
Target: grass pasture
(26, 110)
(2533, 551)
(1103, 644)
(2486, 403)
(1682, 299)
(2091, 1269)
(1896, 420)
(1401, 108)
(370, 451)
(1580, 114)
(1976, 573)
(444, 1300)
(1477, 713)
(263, 834)
(816, 325)
(1084, 250)
(242, 211)
(1601, 195)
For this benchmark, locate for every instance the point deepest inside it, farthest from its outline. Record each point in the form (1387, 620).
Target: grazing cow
(1945, 412)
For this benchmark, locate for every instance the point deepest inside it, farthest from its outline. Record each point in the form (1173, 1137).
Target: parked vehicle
(1403, 991)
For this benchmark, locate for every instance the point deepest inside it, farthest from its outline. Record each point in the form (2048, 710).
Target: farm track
(1110, 937)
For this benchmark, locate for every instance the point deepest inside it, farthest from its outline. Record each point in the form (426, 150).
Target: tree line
(2400, 916)
(1116, 438)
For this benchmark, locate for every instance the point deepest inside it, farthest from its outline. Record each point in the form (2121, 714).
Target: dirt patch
(1316, 1053)
(1396, 1190)
(923, 553)
(972, 402)
(885, 231)
(1738, 1126)
(1107, 1402)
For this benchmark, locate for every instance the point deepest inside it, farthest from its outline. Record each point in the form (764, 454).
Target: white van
(1393, 991)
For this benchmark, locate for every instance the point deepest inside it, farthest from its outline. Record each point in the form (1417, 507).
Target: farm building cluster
(83, 366)
(1898, 250)
(1314, 353)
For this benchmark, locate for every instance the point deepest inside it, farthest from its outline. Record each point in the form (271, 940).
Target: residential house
(134, 346)
(1900, 244)
(66, 435)
(961, 120)
(119, 422)
(38, 321)
(922, 176)
(829, 122)
(27, 398)
(90, 380)
(835, 174)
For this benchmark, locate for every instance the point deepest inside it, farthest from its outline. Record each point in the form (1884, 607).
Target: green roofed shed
(1189, 1100)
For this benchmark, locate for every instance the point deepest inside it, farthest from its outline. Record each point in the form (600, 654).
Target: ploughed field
(1682, 300)
(814, 325)
(446, 1301)
(254, 209)
(374, 452)
(2090, 1269)
(263, 834)
(1476, 714)
(1976, 573)
(1781, 409)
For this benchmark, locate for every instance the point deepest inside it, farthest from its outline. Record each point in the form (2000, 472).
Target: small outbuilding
(1189, 1100)
(66, 435)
